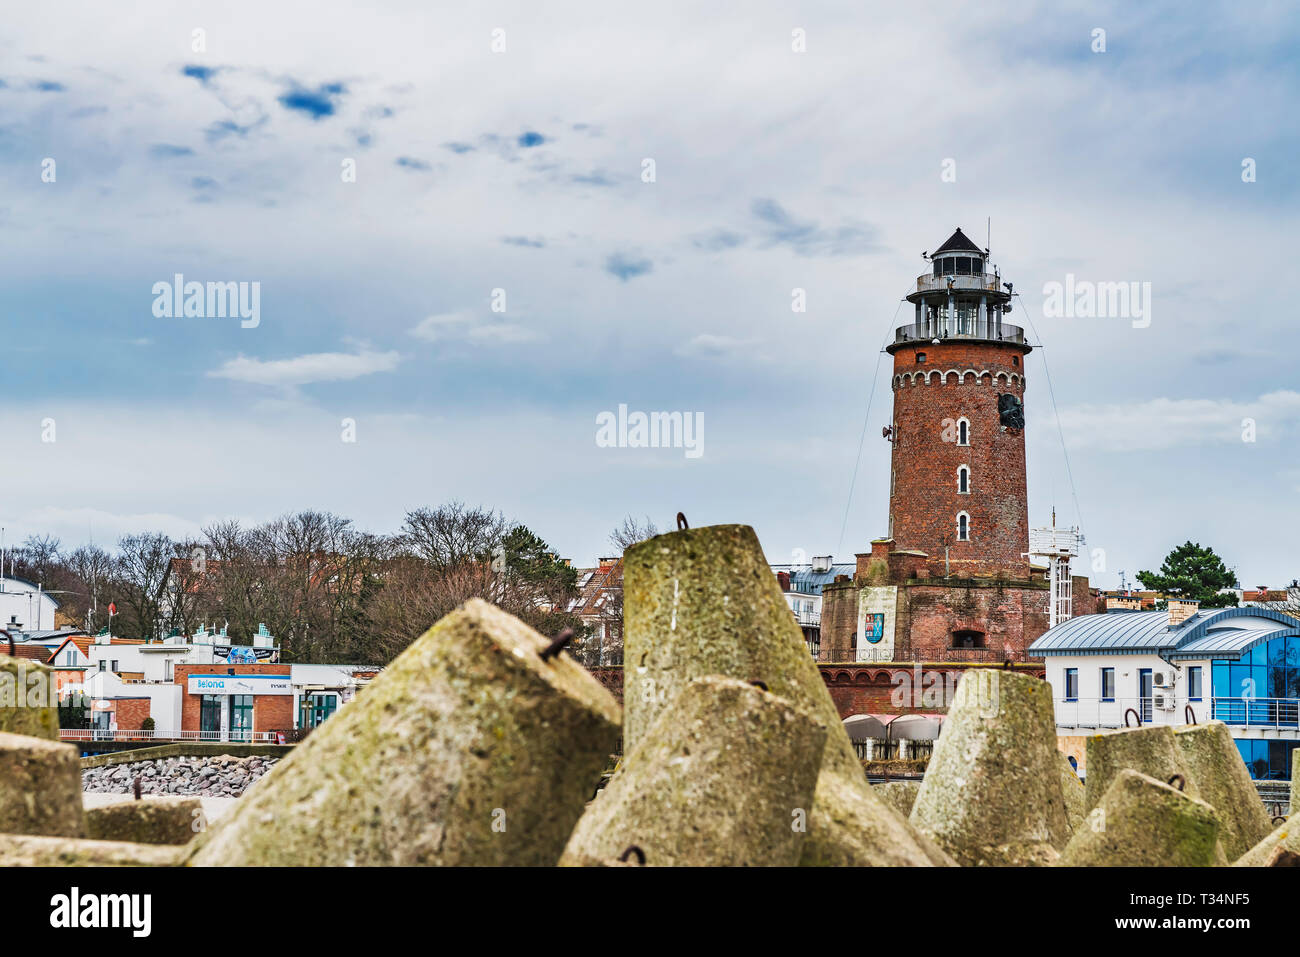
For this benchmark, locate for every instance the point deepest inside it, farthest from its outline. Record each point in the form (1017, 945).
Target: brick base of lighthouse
(896, 608)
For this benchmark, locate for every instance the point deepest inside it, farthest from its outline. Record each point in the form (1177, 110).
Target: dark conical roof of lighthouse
(957, 242)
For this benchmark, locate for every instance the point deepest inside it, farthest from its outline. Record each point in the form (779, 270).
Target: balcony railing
(1277, 713)
(992, 657)
(984, 282)
(1258, 712)
(95, 734)
(945, 328)
(812, 619)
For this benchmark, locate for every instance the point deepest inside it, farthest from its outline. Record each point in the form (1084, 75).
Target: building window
(963, 432)
(241, 717)
(1107, 684)
(1194, 684)
(963, 480)
(920, 358)
(320, 707)
(1071, 684)
(103, 665)
(115, 668)
(1015, 360)
(963, 527)
(210, 716)
(967, 638)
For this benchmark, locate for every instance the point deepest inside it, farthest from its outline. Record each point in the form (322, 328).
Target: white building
(801, 584)
(1236, 665)
(25, 606)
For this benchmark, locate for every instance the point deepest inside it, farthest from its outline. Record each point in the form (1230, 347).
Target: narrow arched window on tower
(963, 432)
(963, 527)
(963, 480)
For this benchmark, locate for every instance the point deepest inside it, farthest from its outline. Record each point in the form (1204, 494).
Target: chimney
(821, 563)
(1123, 603)
(784, 579)
(1180, 610)
(607, 563)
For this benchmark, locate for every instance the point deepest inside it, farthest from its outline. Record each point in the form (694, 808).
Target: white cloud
(465, 326)
(306, 369)
(708, 346)
(1159, 424)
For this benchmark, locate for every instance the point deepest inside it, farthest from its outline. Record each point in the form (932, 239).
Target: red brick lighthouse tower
(951, 582)
(957, 482)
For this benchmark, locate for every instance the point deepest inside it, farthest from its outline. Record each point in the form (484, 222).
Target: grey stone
(725, 777)
(992, 791)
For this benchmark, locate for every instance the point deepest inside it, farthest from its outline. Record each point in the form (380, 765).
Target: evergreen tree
(1193, 573)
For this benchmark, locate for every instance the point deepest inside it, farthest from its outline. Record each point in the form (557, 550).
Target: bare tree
(90, 569)
(631, 532)
(452, 533)
(40, 559)
(140, 577)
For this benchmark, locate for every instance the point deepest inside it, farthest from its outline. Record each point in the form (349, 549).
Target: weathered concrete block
(30, 851)
(1143, 822)
(1215, 764)
(725, 777)
(1151, 750)
(40, 787)
(1295, 782)
(704, 601)
(900, 795)
(1280, 848)
(470, 748)
(29, 702)
(150, 820)
(1076, 804)
(992, 793)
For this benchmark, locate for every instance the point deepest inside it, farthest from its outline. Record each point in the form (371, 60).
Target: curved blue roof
(1215, 633)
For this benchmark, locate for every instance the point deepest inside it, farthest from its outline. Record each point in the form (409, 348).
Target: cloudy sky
(388, 177)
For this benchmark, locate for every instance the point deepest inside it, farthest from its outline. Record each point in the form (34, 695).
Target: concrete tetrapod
(27, 851)
(1150, 749)
(992, 792)
(900, 795)
(1295, 782)
(470, 748)
(40, 787)
(1215, 764)
(1076, 808)
(704, 601)
(1142, 822)
(147, 821)
(29, 702)
(1280, 848)
(725, 777)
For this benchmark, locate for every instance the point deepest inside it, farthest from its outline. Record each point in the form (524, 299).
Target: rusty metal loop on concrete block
(556, 646)
(1132, 711)
(681, 522)
(761, 685)
(136, 786)
(1189, 716)
(1279, 818)
(633, 850)
(1182, 782)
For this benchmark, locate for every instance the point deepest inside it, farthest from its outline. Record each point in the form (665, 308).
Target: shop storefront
(246, 702)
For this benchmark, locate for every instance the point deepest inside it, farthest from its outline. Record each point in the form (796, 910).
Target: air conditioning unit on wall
(1162, 679)
(1165, 702)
